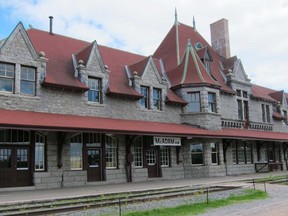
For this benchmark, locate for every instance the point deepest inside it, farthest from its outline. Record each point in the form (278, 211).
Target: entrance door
(154, 170)
(14, 167)
(94, 166)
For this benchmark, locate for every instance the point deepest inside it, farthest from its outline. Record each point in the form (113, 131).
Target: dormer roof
(191, 71)
(58, 50)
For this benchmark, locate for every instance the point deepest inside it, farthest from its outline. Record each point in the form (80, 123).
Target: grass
(197, 208)
(270, 178)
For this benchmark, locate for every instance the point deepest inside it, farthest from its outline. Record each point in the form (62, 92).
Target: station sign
(167, 141)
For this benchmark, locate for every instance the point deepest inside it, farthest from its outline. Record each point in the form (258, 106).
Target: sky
(258, 29)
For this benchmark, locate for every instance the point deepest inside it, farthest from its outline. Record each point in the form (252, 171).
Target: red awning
(16, 119)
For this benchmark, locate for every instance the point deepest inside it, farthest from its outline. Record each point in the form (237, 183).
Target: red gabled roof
(16, 119)
(58, 50)
(277, 115)
(167, 51)
(173, 98)
(277, 95)
(118, 79)
(190, 71)
(261, 92)
(139, 66)
(85, 54)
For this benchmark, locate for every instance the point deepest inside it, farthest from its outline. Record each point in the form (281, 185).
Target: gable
(18, 44)
(151, 74)
(239, 72)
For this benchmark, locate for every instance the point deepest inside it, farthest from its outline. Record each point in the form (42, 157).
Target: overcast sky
(258, 29)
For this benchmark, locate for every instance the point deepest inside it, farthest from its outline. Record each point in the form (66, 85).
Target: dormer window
(208, 66)
(157, 98)
(145, 100)
(28, 80)
(7, 74)
(94, 93)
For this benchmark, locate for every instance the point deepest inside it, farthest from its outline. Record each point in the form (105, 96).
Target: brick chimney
(220, 37)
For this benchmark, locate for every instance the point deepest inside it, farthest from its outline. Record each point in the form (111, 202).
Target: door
(14, 167)
(94, 165)
(152, 160)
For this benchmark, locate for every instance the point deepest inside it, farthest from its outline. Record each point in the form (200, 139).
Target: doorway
(15, 166)
(94, 164)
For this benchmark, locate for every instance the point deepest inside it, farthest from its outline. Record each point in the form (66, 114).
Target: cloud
(257, 28)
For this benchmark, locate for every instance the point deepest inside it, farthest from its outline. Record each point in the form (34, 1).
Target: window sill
(19, 95)
(95, 104)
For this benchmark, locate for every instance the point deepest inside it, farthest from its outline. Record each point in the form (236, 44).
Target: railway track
(53, 206)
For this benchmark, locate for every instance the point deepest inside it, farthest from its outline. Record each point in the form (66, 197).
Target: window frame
(157, 100)
(79, 143)
(165, 156)
(95, 91)
(6, 77)
(40, 141)
(193, 101)
(27, 80)
(112, 148)
(215, 152)
(244, 148)
(138, 152)
(212, 104)
(197, 154)
(145, 101)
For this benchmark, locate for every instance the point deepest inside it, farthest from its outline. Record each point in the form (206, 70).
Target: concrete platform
(30, 194)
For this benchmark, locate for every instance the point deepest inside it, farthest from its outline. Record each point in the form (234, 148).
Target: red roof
(116, 60)
(190, 71)
(139, 66)
(61, 122)
(262, 93)
(58, 50)
(167, 51)
(85, 54)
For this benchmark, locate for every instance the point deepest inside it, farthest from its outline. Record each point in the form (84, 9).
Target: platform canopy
(16, 119)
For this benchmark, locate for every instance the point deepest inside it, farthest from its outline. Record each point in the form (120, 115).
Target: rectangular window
(196, 151)
(111, 152)
(7, 74)
(94, 93)
(193, 99)
(76, 162)
(238, 93)
(263, 113)
(157, 98)
(242, 152)
(285, 115)
(22, 159)
(212, 102)
(28, 80)
(245, 94)
(164, 156)
(5, 157)
(240, 109)
(145, 100)
(138, 152)
(214, 153)
(39, 152)
(267, 113)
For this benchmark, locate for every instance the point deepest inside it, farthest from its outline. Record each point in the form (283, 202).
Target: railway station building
(75, 113)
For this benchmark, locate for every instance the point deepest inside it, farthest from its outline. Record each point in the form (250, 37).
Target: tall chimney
(220, 37)
(51, 25)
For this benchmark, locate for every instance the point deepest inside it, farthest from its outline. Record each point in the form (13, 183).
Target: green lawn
(194, 209)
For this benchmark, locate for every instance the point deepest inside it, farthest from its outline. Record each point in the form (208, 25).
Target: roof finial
(194, 23)
(176, 18)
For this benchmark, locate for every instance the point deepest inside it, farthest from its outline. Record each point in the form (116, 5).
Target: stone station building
(76, 112)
